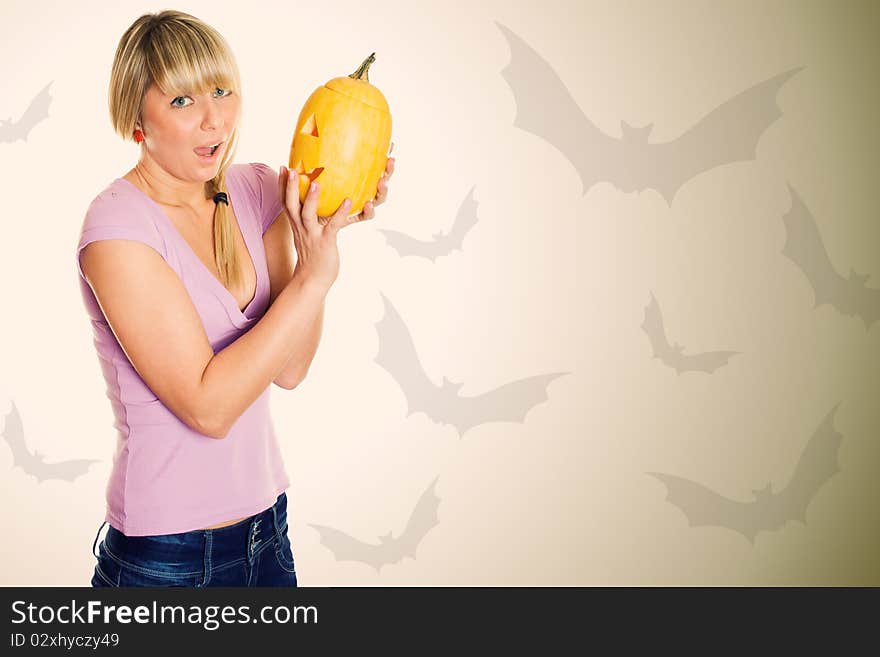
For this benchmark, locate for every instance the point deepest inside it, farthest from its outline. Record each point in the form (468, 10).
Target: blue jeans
(253, 552)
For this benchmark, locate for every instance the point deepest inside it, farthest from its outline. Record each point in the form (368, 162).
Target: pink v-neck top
(166, 477)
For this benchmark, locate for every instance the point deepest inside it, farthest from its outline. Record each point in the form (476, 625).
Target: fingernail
(313, 186)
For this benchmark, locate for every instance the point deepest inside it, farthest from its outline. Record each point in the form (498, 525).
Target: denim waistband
(190, 552)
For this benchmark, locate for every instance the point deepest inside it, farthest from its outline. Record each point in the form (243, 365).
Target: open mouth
(208, 152)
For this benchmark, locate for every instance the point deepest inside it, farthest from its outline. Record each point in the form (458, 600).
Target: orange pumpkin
(341, 141)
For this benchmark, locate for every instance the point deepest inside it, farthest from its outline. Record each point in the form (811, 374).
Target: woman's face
(174, 126)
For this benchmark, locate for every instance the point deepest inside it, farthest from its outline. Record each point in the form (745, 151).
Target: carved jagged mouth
(312, 174)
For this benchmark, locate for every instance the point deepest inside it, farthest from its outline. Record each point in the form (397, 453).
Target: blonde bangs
(183, 61)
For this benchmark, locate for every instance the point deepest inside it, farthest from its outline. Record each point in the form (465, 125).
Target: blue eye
(226, 94)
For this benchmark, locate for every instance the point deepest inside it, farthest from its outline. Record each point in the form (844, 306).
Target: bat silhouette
(673, 355)
(769, 511)
(545, 108)
(508, 403)
(36, 112)
(441, 244)
(33, 463)
(389, 550)
(804, 247)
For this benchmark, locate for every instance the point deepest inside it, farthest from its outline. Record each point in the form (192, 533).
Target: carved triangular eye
(310, 127)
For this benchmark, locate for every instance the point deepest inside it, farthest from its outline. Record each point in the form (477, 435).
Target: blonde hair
(181, 55)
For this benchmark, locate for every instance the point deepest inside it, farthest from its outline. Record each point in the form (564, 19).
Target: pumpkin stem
(362, 72)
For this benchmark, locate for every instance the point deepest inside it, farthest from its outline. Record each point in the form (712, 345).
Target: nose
(212, 119)
(212, 122)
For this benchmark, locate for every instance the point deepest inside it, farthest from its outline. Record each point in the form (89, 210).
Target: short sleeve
(110, 217)
(268, 194)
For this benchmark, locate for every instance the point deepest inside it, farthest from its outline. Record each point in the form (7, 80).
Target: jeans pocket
(150, 564)
(132, 576)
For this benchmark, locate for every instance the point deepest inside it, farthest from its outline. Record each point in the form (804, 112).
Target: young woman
(197, 305)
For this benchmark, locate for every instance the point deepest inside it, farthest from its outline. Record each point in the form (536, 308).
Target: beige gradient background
(549, 280)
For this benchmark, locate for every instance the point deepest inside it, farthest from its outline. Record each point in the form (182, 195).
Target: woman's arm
(280, 260)
(153, 318)
(298, 366)
(238, 374)
(280, 257)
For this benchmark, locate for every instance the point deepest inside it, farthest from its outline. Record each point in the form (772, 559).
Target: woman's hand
(314, 237)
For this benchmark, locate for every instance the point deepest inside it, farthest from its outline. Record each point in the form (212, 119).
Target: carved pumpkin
(341, 141)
